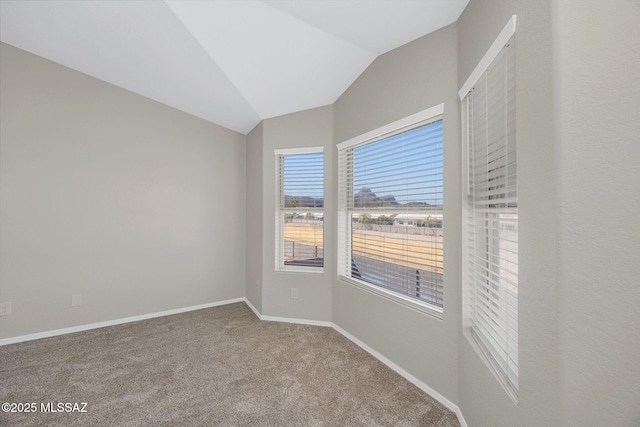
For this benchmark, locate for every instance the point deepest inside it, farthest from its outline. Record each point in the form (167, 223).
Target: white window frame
(472, 332)
(280, 266)
(344, 218)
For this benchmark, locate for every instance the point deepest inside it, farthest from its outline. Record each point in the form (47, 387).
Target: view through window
(300, 217)
(394, 218)
(491, 279)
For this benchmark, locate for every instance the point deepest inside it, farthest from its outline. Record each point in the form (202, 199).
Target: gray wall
(309, 128)
(482, 400)
(414, 77)
(253, 289)
(137, 206)
(109, 194)
(577, 130)
(598, 95)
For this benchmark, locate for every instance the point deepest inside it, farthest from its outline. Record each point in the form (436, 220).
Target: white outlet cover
(76, 300)
(5, 308)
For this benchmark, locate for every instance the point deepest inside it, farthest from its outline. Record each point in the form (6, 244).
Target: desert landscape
(423, 251)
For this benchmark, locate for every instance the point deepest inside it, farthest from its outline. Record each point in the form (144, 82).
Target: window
(491, 219)
(300, 209)
(390, 211)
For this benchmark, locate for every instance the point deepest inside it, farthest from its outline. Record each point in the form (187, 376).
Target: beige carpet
(218, 366)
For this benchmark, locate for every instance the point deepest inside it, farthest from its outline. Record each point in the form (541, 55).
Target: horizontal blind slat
(383, 178)
(492, 240)
(300, 194)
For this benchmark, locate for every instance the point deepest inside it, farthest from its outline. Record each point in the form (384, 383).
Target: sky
(304, 174)
(407, 166)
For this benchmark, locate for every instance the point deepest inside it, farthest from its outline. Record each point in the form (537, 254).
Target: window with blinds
(300, 209)
(491, 278)
(391, 222)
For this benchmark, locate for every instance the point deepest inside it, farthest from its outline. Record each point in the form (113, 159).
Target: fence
(401, 229)
(302, 253)
(413, 282)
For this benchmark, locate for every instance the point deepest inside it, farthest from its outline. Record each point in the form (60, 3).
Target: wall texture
(412, 78)
(598, 98)
(482, 400)
(137, 206)
(141, 208)
(253, 289)
(309, 128)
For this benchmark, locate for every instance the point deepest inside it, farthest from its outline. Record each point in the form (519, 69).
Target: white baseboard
(53, 333)
(255, 310)
(461, 420)
(413, 380)
(287, 319)
(422, 386)
(298, 321)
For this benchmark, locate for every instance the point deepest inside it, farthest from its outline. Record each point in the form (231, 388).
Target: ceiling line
(222, 70)
(309, 24)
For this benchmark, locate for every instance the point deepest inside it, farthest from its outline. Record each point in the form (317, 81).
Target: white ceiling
(233, 63)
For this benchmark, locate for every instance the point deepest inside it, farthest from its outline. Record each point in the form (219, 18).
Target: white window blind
(391, 200)
(491, 279)
(300, 209)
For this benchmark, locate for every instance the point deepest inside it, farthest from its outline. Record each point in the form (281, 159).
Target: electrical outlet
(294, 293)
(5, 308)
(76, 300)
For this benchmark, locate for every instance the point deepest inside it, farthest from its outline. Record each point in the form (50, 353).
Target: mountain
(303, 202)
(365, 198)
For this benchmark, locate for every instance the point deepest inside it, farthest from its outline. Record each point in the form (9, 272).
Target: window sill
(491, 364)
(423, 308)
(299, 270)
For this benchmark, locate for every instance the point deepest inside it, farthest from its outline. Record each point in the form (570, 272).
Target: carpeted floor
(218, 366)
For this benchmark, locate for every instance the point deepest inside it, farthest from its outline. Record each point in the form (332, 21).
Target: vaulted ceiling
(233, 63)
